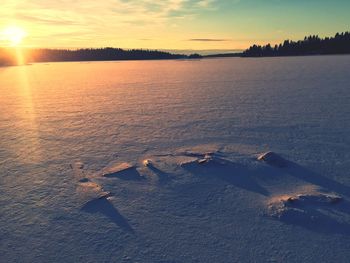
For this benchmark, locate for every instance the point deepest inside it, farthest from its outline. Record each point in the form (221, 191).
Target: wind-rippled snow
(53, 116)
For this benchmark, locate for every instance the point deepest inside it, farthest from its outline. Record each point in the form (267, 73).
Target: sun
(12, 35)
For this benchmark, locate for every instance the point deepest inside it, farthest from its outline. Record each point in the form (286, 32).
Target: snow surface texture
(220, 160)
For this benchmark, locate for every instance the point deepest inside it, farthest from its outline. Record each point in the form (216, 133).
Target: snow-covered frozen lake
(62, 124)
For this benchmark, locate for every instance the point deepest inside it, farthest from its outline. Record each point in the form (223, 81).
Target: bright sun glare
(12, 35)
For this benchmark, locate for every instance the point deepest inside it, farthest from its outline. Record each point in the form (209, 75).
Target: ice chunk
(186, 161)
(273, 159)
(315, 198)
(284, 206)
(118, 168)
(124, 171)
(89, 190)
(207, 158)
(147, 162)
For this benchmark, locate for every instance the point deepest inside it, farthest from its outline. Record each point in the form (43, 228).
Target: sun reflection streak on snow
(32, 150)
(19, 56)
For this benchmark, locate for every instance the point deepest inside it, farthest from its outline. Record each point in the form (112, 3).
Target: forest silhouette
(9, 56)
(311, 45)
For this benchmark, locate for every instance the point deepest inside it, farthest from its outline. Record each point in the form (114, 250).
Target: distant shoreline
(10, 56)
(173, 59)
(310, 46)
(280, 56)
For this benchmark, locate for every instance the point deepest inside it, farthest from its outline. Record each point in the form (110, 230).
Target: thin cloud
(206, 3)
(208, 39)
(109, 17)
(50, 21)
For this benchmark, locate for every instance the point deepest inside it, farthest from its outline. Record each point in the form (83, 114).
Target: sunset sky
(169, 24)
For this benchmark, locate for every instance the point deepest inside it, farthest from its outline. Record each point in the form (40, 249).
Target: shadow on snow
(103, 206)
(232, 173)
(328, 218)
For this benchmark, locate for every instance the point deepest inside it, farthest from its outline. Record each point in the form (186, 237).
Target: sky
(169, 24)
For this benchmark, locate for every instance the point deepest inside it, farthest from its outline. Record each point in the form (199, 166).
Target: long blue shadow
(321, 218)
(232, 173)
(309, 176)
(105, 207)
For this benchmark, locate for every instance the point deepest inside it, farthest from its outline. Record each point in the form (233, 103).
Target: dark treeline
(311, 45)
(46, 55)
(10, 56)
(7, 58)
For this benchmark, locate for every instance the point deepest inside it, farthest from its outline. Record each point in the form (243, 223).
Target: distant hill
(311, 45)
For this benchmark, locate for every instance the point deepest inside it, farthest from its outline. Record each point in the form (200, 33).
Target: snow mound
(286, 205)
(273, 159)
(91, 190)
(123, 170)
(192, 158)
(314, 198)
(117, 168)
(316, 211)
(87, 187)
